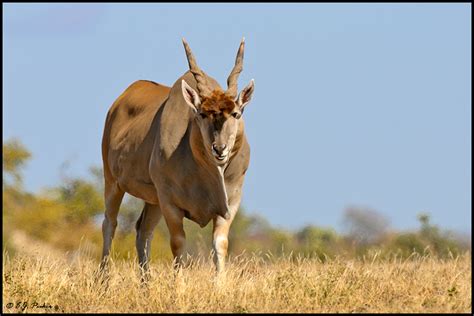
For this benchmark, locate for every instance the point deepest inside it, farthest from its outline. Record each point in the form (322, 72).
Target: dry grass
(251, 284)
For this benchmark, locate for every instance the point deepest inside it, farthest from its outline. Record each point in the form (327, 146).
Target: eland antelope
(183, 151)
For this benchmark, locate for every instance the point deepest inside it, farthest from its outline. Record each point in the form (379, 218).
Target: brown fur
(218, 102)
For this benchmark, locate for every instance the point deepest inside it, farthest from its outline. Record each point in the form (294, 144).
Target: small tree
(440, 242)
(365, 226)
(15, 156)
(318, 241)
(82, 200)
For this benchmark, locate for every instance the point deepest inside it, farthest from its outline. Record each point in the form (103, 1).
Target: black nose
(219, 149)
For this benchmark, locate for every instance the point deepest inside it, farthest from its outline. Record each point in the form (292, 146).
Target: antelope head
(217, 112)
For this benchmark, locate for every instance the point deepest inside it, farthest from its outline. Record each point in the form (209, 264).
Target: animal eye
(236, 115)
(203, 115)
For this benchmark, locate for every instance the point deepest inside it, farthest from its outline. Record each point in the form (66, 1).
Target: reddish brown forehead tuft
(217, 102)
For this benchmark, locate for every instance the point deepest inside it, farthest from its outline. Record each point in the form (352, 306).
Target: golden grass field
(50, 282)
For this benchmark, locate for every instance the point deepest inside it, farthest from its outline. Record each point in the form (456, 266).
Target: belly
(140, 189)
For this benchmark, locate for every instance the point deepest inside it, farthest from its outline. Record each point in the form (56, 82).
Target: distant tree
(424, 219)
(318, 241)
(282, 241)
(253, 233)
(364, 225)
(429, 239)
(312, 234)
(15, 156)
(81, 198)
(441, 242)
(406, 243)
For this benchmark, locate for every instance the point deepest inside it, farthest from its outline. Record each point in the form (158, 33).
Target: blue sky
(354, 105)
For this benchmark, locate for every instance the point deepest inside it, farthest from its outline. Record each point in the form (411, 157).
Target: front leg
(220, 237)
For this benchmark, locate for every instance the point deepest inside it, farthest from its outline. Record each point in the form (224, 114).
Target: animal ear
(190, 96)
(245, 95)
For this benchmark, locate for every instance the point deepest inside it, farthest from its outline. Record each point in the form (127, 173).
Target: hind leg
(174, 220)
(146, 223)
(113, 199)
